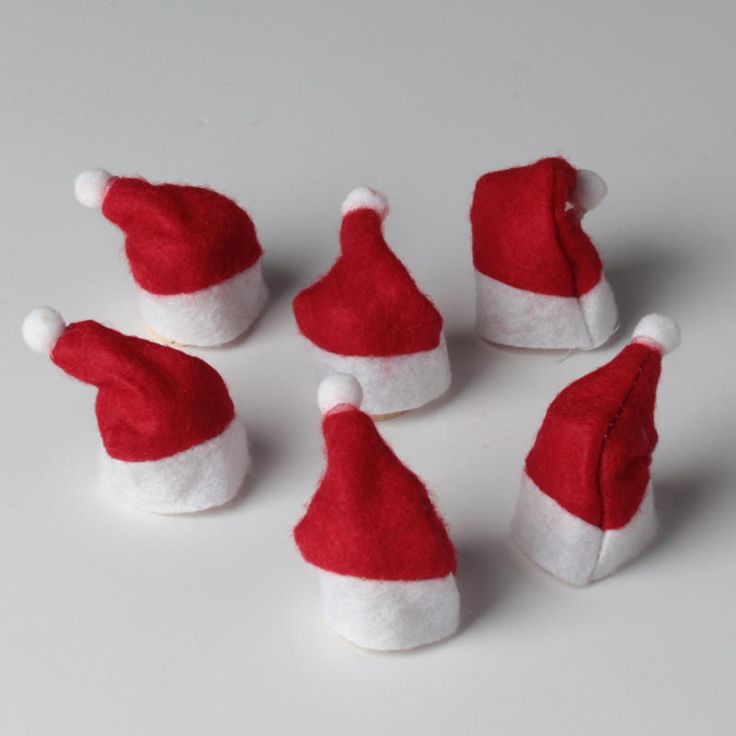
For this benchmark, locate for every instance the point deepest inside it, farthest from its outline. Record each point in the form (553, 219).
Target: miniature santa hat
(539, 279)
(193, 253)
(172, 442)
(586, 504)
(367, 318)
(385, 561)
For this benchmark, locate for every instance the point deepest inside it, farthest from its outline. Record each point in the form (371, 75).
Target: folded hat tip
(90, 187)
(661, 332)
(339, 389)
(365, 198)
(42, 327)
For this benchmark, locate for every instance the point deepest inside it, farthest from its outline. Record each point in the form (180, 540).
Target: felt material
(204, 476)
(180, 239)
(624, 544)
(594, 449)
(371, 517)
(526, 234)
(524, 319)
(211, 316)
(367, 304)
(153, 401)
(391, 384)
(570, 548)
(390, 615)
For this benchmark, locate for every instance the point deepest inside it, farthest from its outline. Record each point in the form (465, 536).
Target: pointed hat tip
(365, 198)
(660, 331)
(90, 187)
(339, 389)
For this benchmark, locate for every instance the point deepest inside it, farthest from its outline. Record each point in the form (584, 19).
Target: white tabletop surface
(114, 622)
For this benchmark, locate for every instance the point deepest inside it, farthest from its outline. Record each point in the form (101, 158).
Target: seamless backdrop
(115, 623)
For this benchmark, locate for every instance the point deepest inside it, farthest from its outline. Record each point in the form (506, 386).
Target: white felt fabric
(525, 319)
(206, 475)
(207, 317)
(390, 384)
(386, 615)
(570, 548)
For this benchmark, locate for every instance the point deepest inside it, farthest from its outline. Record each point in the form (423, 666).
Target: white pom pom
(590, 190)
(91, 186)
(42, 328)
(364, 198)
(658, 331)
(338, 389)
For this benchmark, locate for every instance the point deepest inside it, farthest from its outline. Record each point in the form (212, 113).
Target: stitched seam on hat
(609, 429)
(568, 260)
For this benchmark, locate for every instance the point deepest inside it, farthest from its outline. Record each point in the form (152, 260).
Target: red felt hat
(370, 517)
(367, 317)
(166, 418)
(191, 251)
(386, 560)
(586, 502)
(539, 278)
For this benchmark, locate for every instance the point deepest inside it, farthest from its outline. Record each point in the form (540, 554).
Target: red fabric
(153, 401)
(180, 239)
(371, 517)
(367, 304)
(525, 234)
(593, 452)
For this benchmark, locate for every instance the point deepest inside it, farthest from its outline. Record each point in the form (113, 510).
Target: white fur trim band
(206, 475)
(210, 316)
(390, 384)
(525, 319)
(570, 548)
(364, 198)
(387, 615)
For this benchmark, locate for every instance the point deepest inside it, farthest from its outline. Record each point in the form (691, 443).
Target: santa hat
(539, 279)
(172, 442)
(367, 318)
(385, 561)
(193, 253)
(586, 504)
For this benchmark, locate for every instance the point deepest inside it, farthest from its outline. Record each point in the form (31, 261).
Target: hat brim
(206, 475)
(211, 316)
(570, 548)
(526, 319)
(388, 615)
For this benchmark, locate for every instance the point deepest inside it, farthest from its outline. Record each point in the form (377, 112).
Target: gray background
(115, 622)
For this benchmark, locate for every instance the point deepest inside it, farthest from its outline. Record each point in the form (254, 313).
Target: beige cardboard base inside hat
(157, 337)
(386, 417)
(209, 317)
